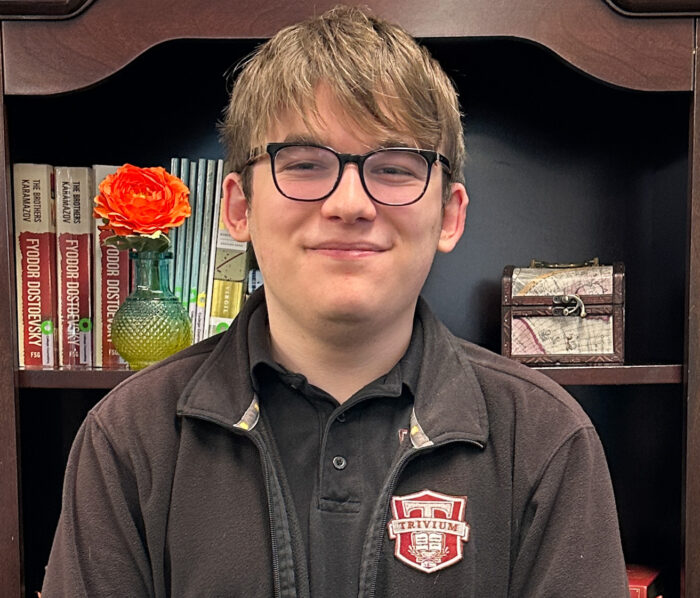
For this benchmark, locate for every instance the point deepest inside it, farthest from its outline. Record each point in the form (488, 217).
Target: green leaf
(139, 242)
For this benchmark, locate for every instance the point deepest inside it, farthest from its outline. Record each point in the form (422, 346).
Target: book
(35, 248)
(644, 582)
(179, 255)
(74, 228)
(229, 278)
(189, 237)
(110, 284)
(255, 280)
(197, 227)
(227, 299)
(221, 167)
(211, 206)
(172, 235)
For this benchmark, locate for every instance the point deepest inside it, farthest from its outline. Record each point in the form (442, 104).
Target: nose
(349, 202)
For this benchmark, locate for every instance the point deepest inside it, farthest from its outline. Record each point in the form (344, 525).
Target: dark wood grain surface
(45, 57)
(565, 375)
(656, 7)
(41, 8)
(692, 423)
(9, 462)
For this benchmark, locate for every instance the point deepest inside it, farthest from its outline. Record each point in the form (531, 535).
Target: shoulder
(501, 376)
(525, 407)
(145, 404)
(511, 401)
(532, 420)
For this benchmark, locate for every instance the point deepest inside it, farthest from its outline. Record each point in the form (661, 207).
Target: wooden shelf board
(104, 379)
(614, 374)
(565, 375)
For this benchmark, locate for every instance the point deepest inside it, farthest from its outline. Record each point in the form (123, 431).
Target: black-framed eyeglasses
(393, 176)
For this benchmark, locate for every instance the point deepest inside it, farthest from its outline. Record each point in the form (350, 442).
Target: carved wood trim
(42, 9)
(656, 8)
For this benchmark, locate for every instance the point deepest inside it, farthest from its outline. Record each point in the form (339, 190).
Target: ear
(235, 208)
(454, 216)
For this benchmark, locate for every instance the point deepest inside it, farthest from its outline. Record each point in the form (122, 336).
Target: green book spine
(216, 220)
(189, 237)
(180, 247)
(197, 237)
(201, 303)
(172, 235)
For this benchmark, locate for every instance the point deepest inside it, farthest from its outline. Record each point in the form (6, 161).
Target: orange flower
(142, 201)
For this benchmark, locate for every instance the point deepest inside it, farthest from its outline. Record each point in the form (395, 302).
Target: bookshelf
(582, 134)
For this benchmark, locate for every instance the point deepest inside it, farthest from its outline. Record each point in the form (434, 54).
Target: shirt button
(341, 418)
(339, 462)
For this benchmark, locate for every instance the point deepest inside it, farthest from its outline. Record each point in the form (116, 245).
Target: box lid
(594, 285)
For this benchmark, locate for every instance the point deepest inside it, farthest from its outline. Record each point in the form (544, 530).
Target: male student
(338, 440)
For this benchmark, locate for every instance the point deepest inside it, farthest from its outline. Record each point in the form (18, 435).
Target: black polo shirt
(334, 456)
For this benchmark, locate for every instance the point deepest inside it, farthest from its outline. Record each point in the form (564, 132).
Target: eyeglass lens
(391, 176)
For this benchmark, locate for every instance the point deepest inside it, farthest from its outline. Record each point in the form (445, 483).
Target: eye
(394, 170)
(300, 165)
(396, 167)
(305, 161)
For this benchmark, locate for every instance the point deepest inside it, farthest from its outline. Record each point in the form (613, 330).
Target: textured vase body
(151, 324)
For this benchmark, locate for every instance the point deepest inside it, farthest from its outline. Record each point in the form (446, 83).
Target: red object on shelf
(643, 581)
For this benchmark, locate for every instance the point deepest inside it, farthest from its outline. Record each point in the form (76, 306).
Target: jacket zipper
(270, 511)
(373, 572)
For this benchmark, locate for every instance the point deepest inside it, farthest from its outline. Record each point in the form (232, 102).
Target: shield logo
(429, 529)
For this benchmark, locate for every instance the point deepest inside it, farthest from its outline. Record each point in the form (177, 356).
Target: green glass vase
(151, 324)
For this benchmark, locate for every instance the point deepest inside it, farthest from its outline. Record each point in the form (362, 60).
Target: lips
(347, 250)
(347, 246)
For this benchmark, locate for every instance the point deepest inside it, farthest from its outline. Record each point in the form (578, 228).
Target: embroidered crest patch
(429, 529)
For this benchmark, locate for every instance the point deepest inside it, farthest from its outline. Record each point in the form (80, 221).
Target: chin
(348, 312)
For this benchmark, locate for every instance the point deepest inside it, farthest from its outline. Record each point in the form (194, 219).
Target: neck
(339, 357)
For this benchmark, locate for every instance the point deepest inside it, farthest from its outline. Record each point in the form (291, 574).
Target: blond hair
(384, 81)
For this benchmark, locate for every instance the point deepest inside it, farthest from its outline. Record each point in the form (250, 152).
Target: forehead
(327, 122)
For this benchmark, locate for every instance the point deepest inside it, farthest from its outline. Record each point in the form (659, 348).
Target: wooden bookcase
(582, 123)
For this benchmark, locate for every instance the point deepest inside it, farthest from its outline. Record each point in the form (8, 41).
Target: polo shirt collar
(404, 373)
(449, 403)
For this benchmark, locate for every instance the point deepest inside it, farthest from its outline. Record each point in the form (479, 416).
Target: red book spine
(74, 240)
(110, 285)
(111, 289)
(75, 319)
(38, 291)
(35, 265)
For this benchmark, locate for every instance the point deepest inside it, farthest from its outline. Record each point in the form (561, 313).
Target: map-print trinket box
(564, 313)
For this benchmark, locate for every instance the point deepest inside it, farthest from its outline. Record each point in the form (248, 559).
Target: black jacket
(171, 491)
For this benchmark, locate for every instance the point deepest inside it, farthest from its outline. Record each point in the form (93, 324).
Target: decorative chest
(564, 313)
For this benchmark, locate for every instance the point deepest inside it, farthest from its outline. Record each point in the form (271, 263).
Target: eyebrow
(303, 138)
(395, 142)
(309, 138)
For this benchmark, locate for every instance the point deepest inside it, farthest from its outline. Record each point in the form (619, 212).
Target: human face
(344, 259)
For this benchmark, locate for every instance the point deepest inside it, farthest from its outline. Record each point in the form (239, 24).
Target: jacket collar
(220, 390)
(449, 402)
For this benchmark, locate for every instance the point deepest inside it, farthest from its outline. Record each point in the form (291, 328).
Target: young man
(338, 440)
